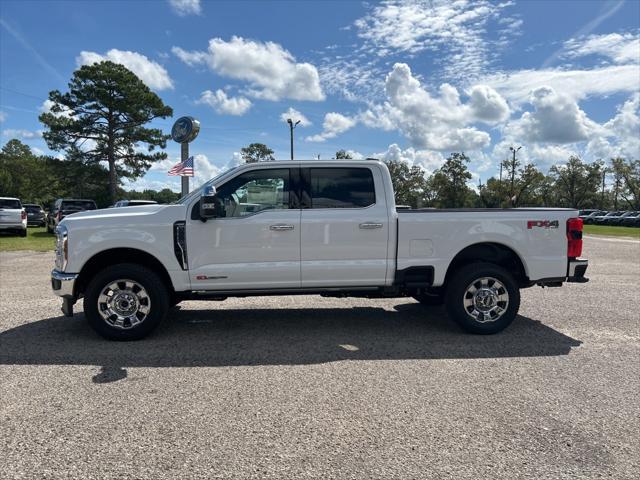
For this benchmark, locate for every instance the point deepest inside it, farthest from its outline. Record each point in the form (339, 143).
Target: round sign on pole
(185, 129)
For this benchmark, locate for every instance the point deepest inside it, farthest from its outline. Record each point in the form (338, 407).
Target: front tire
(125, 302)
(483, 298)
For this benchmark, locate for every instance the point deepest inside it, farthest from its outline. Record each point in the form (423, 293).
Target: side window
(252, 192)
(341, 188)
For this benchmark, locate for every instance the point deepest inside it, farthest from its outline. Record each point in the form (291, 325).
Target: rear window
(342, 188)
(78, 205)
(10, 204)
(32, 208)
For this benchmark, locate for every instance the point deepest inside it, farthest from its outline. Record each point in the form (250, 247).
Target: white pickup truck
(308, 227)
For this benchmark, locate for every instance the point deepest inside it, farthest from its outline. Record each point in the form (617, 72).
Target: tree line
(573, 184)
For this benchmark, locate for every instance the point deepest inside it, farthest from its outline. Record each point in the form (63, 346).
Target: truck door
(345, 227)
(256, 243)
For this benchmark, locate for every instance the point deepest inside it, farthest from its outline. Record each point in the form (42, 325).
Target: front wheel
(125, 302)
(482, 298)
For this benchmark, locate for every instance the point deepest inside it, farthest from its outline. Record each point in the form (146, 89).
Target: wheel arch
(492, 252)
(115, 256)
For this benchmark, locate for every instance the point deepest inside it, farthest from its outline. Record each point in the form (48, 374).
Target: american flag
(183, 169)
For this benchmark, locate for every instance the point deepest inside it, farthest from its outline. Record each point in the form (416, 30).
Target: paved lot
(306, 387)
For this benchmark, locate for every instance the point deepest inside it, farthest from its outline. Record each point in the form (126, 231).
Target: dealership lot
(308, 387)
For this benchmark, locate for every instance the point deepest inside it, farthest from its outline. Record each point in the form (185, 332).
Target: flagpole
(184, 155)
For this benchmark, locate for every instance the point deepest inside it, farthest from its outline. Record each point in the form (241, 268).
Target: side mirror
(209, 203)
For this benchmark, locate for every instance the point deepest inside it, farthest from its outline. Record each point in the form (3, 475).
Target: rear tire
(125, 302)
(23, 233)
(483, 298)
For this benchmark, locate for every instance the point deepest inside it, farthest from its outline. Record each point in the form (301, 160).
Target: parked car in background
(632, 220)
(133, 203)
(67, 206)
(35, 215)
(590, 219)
(616, 219)
(13, 217)
(585, 213)
(602, 219)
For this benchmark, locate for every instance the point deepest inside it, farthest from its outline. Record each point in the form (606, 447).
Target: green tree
(626, 182)
(343, 155)
(102, 118)
(450, 183)
(576, 183)
(409, 183)
(257, 152)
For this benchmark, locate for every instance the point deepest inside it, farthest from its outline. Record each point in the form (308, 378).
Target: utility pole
(291, 127)
(604, 176)
(514, 164)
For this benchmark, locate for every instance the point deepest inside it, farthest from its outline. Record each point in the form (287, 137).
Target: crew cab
(308, 227)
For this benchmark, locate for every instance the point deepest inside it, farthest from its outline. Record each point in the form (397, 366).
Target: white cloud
(455, 28)
(556, 118)
(224, 104)
(295, 116)
(271, 71)
(620, 48)
(487, 105)
(428, 160)
(621, 135)
(516, 86)
(334, 124)
(186, 7)
(46, 108)
(3, 116)
(21, 133)
(153, 74)
(435, 123)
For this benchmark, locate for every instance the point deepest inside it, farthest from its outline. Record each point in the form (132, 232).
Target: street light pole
(513, 172)
(291, 127)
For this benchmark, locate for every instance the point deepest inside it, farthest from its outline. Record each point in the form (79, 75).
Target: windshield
(196, 192)
(10, 204)
(78, 205)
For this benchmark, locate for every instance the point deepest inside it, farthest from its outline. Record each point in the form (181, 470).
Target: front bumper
(577, 269)
(63, 285)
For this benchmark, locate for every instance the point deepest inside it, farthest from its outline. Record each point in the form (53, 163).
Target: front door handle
(281, 228)
(370, 225)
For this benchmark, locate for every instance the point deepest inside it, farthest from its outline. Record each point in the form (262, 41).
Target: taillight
(23, 215)
(574, 237)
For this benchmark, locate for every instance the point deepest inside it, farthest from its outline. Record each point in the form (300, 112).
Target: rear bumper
(13, 226)
(577, 269)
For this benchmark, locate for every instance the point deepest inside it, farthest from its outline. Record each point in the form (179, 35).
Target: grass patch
(612, 231)
(37, 239)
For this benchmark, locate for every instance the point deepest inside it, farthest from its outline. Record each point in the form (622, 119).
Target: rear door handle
(281, 228)
(370, 225)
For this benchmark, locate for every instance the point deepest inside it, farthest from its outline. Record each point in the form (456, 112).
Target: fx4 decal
(542, 224)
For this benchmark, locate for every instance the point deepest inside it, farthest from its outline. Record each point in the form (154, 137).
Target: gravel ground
(307, 387)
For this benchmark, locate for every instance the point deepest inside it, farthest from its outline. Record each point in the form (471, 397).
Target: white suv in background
(12, 216)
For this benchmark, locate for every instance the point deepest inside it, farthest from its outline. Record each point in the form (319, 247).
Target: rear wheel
(482, 298)
(125, 302)
(23, 233)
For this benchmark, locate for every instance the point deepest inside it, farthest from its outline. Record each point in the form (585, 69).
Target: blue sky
(411, 81)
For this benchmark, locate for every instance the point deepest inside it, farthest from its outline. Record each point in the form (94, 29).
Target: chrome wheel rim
(486, 299)
(124, 304)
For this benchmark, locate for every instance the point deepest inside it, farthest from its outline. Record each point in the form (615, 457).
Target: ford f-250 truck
(308, 227)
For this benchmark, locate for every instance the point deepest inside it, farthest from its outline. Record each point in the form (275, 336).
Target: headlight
(62, 247)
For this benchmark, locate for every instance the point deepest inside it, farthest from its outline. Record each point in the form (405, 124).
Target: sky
(399, 80)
